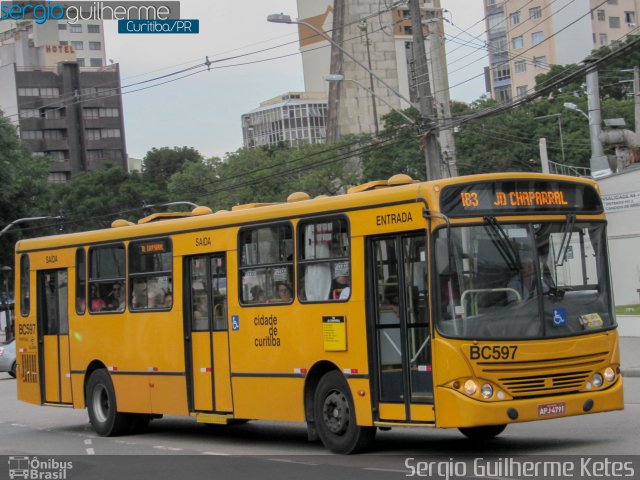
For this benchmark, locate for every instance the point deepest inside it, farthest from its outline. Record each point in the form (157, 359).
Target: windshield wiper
(502, 243)
(568, 231)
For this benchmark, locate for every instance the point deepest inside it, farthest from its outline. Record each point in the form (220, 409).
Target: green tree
(24, 191)
(264, 175)
(159, 164)
(94, 199)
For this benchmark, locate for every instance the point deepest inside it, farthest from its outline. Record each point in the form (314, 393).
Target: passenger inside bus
(115, 299)
(97, 304)
(284, 292)
(340, 288)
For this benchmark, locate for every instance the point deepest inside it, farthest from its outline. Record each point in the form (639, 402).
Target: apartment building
(526, 37)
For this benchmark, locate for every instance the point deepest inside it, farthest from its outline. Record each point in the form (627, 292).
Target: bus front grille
(545, 384)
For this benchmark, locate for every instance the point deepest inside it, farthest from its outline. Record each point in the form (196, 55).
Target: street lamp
(28, 219)
(336, 77)
(574, 107)
(282, 18)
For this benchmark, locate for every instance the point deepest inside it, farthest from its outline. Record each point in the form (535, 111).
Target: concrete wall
(621, 194)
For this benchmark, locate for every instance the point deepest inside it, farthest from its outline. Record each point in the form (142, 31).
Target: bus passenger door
(53, 336)
(400, 343)
(207, 336)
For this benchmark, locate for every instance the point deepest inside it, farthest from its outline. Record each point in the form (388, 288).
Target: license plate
(547, 409)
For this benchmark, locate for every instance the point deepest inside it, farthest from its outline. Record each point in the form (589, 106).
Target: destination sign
(519, 196)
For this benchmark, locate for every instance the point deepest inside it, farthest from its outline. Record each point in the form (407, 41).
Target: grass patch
(628, 310)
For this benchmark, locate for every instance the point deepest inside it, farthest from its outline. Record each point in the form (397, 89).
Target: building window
(91, 113)
(92, 133)
(515, 18)
(498, 45)
(603, 39)
(53, 113)
(50, 92)
(614, 22)
(496, 23)
(593, 36)
(612, 2)
(95, 154)
(150, 275)
(109, 112)
(503, 94)
(62, 26)
(110, 133)
(95, 62)
(535, 13)
(105, 91)
(29, 113)
(28, 92)
(266, 265)
(57, 155)
(77, 45)
(31, 134)
(630, 17)
(601, 16)
(521, 91)
(520, 66)
(517, 42)
(63, 43)
(75, 28)
(54, 134)
(537, 37)
(540, 62)
(93, 28)
(323, 260)
(95, 45)
(80, 62)
(57, 177)
(501, 72)
(106, 278)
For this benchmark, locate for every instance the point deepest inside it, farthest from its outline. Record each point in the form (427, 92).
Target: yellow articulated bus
(469, 303)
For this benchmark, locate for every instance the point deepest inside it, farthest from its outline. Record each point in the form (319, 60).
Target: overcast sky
(203, 111)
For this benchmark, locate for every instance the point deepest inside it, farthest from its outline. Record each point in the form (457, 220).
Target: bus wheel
(12, 372)
(335, 417)
(101, 403)
(483, 433)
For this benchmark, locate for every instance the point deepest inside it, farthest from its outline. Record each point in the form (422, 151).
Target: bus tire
(483, 433)
(12, 372)
(335, 416)
(103, 410)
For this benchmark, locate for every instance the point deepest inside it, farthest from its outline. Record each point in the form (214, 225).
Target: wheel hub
(335, 412)
(101, 403)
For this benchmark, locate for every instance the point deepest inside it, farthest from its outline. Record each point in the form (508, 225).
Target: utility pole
(431, 153)
(336, 66)
(599, 163)
(364, 27)
(440, 86)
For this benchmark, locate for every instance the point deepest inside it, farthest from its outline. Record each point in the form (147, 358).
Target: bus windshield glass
(524, 280)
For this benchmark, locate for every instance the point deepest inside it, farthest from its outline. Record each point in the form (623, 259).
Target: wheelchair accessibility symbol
(235, 322)
(559, 317)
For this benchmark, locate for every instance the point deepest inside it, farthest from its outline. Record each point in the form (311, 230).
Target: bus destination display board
(519, 196)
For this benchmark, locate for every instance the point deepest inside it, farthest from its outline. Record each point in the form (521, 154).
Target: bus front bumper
(454, 409)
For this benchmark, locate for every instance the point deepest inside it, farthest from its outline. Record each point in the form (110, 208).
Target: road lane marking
(216, 453)
(87, 442)
(292, 461)
(394, 470)
(90, 451)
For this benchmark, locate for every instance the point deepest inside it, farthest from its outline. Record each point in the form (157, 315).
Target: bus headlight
(609, 374)
(486, 390)
(470, 387)
(597, 380)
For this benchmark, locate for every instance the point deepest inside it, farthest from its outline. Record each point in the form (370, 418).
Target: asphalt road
(280, 450)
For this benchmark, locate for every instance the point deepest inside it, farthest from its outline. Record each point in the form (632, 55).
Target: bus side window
(25, 285)
(323, 260)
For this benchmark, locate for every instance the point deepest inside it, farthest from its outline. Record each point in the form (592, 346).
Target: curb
(630, 372)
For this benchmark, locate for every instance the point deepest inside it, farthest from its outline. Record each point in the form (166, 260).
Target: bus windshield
(523, 280)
